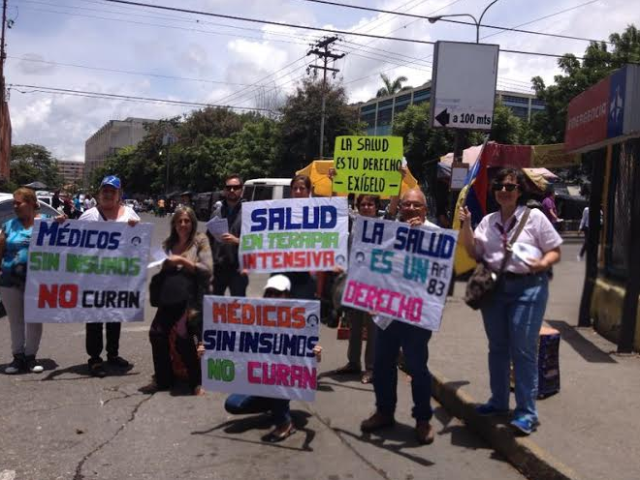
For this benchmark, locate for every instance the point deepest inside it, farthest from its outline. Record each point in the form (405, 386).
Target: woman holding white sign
(14, 250)
(109, 209)
(513, 314)
(185, 275)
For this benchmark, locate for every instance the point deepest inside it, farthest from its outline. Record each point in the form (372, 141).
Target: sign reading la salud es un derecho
(400, 272)
(257, 346)
(87, 272)
(294, 235)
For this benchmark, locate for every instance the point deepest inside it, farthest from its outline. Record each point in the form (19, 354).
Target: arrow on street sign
(443, 118)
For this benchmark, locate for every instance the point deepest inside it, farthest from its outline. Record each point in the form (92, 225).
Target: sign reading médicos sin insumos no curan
(87, 272)
(368, 165)
(257, 346)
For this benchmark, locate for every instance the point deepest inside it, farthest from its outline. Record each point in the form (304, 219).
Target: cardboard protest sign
(368, 165)
(257, 346)
(399, 271)
(294, 235)
(87, 272)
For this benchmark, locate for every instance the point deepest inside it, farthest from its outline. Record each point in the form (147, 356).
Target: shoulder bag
(483, 281)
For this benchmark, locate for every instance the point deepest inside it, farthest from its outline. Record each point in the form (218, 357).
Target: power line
(129, 72)
(318, 29)
(113, 96)
(423, 17)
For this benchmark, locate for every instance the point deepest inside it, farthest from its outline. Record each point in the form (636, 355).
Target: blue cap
(112, 181)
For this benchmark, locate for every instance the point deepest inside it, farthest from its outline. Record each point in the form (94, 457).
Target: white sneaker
(33, 365)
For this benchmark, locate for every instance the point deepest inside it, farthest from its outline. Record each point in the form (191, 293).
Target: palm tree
(391, 87)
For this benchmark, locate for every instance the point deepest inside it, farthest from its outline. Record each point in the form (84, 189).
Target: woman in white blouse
(513, 316)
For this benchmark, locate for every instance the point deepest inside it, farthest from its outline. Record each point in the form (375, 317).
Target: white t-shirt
(93, 215)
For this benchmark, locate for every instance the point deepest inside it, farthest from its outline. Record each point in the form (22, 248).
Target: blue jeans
(512, 322)
(237, 404)
(414, 342)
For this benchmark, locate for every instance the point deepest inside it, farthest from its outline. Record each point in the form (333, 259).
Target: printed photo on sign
(263, 347)
(400, 272)
(369, 165)
(296, 235)
(87, 271)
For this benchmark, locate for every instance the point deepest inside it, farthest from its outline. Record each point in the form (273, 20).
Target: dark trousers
(414, 342)
(94, 343)
(230, 278)
(586, 239)
(159, 336)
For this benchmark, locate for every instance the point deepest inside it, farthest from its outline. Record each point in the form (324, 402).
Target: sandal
(281, 433)
(367, 377)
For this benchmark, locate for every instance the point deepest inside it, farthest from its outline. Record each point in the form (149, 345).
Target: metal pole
(324, 104)
(166, 186)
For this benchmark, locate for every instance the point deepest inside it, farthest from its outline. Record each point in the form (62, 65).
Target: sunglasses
(509, 187)
(233, 187)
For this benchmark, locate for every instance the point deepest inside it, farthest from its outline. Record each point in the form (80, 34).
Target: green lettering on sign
(368, 165)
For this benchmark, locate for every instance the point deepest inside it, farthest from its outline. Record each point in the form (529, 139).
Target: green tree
(300, 123)
(390, 87)
(599, 61)
(30, 163)
(506, 127)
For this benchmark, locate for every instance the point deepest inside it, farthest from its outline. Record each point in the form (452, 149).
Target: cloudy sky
(110, 48)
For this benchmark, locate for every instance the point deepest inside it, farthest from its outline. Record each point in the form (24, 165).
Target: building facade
(378, 113)
(114, 135)
(71, 171)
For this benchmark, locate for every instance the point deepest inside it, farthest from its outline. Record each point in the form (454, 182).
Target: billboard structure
(463, 88)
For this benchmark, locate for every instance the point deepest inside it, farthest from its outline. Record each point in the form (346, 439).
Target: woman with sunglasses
(513, 316)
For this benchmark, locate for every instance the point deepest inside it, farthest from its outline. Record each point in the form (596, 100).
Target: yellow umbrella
(318, 172)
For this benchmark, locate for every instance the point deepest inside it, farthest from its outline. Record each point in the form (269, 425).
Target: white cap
(279, 283)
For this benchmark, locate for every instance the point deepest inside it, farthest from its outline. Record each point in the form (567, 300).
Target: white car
(6, 213)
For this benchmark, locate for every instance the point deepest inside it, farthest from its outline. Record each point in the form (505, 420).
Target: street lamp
(477, 22)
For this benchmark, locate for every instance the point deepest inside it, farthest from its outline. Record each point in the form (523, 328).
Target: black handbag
(483, 281)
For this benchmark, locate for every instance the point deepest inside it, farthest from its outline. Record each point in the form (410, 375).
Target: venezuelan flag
(474, 197)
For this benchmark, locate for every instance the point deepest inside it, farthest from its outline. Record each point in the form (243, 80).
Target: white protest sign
(463, 90)
(294, 235)
(260, 346)
(87, 272)
(217, 227)
(400, 272)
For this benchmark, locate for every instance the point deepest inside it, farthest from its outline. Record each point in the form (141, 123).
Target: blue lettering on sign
(281, 218)
(58, 235)
(421, 242)
(617, 91)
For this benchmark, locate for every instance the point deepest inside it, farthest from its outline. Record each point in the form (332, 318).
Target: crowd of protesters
(198, 264)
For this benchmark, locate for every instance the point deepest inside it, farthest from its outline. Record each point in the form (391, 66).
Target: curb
(524, 454)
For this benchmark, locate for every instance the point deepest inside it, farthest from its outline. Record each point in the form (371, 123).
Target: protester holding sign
(109, 209)
(513, 314)
(14, 250)
(413, 340)
(183, 280)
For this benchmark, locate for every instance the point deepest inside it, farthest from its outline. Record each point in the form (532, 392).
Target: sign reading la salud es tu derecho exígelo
(400, 272)
(87, 272)
(257, 346)
(368, 165)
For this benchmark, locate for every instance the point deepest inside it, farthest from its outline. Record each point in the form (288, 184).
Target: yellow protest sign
(368, 165)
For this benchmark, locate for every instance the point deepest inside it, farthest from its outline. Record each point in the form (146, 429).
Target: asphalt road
(64, 424)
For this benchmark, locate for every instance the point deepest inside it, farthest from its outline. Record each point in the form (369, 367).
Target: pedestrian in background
(226, 265)
(549, 207)
(14, 249)
(185, 277)
(109, 209)
(414, 342)
(513, 316)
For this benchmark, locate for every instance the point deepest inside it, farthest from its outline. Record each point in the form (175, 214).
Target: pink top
(537, 232)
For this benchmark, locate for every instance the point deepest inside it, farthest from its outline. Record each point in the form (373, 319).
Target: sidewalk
(590, 430)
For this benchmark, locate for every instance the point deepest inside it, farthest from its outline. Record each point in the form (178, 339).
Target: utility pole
(322, 51)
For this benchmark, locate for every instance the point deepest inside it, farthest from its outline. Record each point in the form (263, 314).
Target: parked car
(7, 212)
(266, 189)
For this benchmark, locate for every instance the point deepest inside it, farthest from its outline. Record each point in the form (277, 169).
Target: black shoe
(119, 362)
(377, 421)
(33, 365)
(96, 369)
(18, 365)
